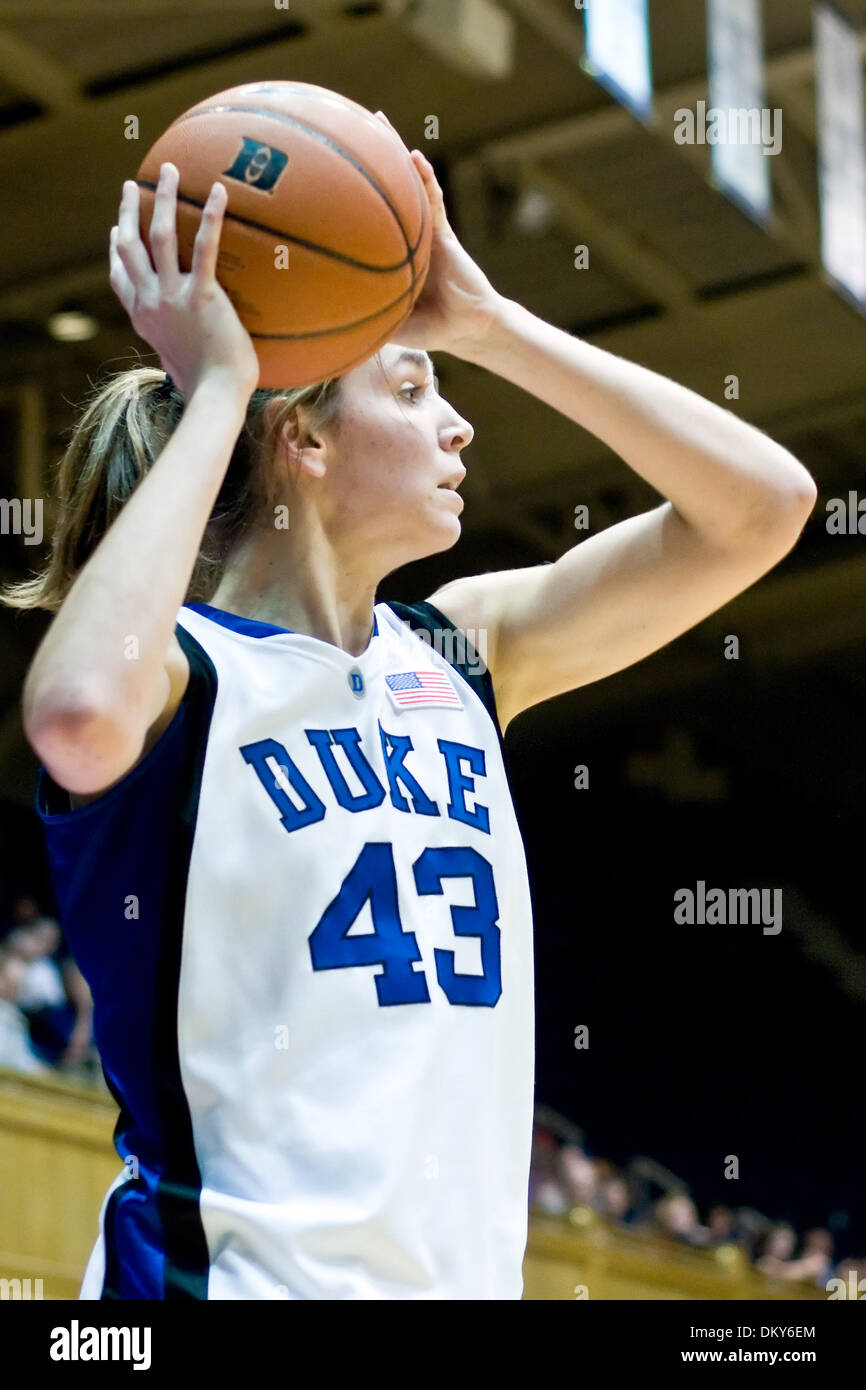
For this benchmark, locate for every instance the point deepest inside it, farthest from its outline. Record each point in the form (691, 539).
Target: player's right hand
(188, 319)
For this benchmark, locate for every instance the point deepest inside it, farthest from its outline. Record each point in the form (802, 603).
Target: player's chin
(444, 522)
(435, 524)
(436, 535)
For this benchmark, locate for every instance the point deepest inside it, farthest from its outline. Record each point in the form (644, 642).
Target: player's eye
(412, 389)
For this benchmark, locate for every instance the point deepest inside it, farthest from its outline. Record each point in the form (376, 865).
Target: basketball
(326, 234)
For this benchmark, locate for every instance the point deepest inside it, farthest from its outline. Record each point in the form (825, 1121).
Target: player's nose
(459, 433)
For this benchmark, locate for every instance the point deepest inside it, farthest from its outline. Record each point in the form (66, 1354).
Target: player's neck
(313, 595)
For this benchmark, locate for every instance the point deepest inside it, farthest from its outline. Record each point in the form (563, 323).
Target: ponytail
(123, 428)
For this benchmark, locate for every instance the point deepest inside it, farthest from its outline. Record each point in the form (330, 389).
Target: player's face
(398, 456)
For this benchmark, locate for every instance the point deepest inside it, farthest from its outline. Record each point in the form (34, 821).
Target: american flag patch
(409, 689)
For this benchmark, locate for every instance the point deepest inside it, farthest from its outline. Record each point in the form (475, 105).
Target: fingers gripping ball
(327, 230)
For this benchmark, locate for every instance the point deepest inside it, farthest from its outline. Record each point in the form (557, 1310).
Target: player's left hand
(458, 304)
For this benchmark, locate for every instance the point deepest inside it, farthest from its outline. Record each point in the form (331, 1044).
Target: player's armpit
(606, 603)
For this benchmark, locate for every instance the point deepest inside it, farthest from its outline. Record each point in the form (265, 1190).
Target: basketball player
(280, 830)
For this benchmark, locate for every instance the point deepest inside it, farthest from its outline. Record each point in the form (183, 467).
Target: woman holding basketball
(279, 824)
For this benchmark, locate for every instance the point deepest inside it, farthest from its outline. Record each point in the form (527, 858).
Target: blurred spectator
(676, 1218)
(563, 1177)
(577, 1176)
(545, 1192)
(543, 1149)
(53, 994)
(614, 1198)
(36, 946)
(25, 911)
(548, 1197)
(752, 1230)
(778, 1249)
(815, 1263)
(15, 1049)
(721, 1226)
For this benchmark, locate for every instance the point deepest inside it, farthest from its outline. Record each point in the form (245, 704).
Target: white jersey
(305, 919)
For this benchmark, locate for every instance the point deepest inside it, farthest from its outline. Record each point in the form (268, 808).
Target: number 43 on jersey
(373, 878)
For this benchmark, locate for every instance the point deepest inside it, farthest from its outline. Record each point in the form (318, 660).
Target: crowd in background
(46, 1024)
(648, 1199)
(46, 1011)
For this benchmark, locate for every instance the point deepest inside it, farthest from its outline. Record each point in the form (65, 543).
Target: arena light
(618, 51)
(842, 153)
(72, 326)
(474, 36)
(533, 212)
(739, 127)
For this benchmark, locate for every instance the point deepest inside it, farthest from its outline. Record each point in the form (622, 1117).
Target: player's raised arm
(736, 504)
(91, 692)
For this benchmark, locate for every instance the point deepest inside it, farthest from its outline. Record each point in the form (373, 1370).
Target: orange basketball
(326, 235)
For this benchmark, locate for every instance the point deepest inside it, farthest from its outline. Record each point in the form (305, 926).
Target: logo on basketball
(257, 164)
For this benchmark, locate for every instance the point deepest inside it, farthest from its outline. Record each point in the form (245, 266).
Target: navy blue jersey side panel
(462, 655)
(187, 1257)
(120, 866)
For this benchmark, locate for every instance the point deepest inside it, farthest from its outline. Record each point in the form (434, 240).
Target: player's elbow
(81, 745)
(777, 520)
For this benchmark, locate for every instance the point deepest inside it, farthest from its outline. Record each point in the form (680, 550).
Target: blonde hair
(124, 426)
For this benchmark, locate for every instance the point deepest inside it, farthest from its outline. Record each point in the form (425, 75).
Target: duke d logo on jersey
(257, 164)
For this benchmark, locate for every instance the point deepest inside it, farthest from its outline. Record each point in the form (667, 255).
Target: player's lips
(453, 481)
(443, 487)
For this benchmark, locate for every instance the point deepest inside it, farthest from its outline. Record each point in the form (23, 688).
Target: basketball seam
(323, 139)
(328, 332)
(319, 332)
(363, 356)
(300, 241)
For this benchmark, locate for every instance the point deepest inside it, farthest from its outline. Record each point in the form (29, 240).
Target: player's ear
(297, 442)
